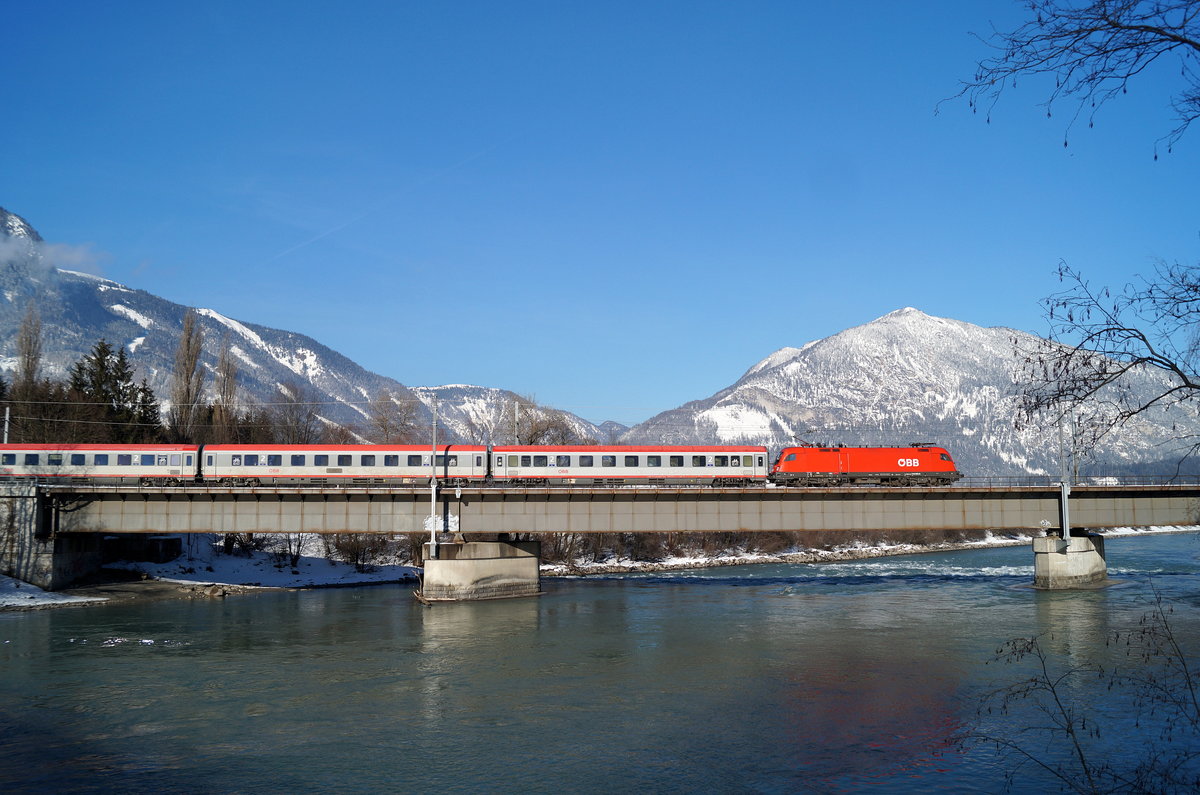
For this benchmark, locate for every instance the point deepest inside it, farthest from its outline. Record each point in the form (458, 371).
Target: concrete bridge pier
(1070, 559)
(32, 547)
(464, 571)
(1073, 562)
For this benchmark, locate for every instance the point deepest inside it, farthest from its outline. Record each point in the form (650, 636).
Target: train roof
(630, 448)
(350, 448)
(91, 446)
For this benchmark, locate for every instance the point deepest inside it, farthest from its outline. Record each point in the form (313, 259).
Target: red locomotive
(884, 466)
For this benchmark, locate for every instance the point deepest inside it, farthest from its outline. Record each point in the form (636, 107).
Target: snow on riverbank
(197, 569)
(17, 595)
(858, 551)
(202, 567)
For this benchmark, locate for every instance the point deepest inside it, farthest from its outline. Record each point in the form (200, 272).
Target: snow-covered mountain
(77, 309)
(488, 415)
(903, 378)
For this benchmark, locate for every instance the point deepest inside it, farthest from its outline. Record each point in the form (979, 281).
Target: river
(840, 677)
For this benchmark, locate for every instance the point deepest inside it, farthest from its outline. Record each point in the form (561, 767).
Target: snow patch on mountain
(132, 314)
(235, 326)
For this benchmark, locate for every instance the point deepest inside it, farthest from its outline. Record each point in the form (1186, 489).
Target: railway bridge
(52, 533)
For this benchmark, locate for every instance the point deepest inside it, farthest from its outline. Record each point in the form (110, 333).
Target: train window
(8, 459)
(441, 461)
(208, 462)
(736, 460)
(78, 459)
(541, 460)
(721, 460)
(160, 461)
(101, 460)
(297, 460)
(31, 459)
(414, 460)
(654, 460)
(608, 460)
(512, 460)
(587, 461)
(562, 461)
(251, 459)
(54, 459)
(790, 457)
(631, 460)
(526, 460)
(478, 460)
(368, 460)
(499, 461)
(345, 460)
(147, 459)
(676, 460)
(124, 460)
(698, 461)
(235, 460)
(320, 460)
(760, 460)
(175, 459)
(391, 460)
(275, 460)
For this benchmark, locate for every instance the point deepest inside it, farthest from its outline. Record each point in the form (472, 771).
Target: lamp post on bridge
(433, 487)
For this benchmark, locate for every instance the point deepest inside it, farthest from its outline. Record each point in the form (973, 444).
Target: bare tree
(527, 422)
(391, 420)
(294, 414)
(1093, 51)
(225, 410)
(29, 351)
(27, 391)
(1102, 344)
(187, 381)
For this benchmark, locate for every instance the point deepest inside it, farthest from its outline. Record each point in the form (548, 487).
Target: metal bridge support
(1068, 560)
(471, 570)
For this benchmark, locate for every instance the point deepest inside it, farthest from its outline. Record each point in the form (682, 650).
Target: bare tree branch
(1094, 51)
(1112, 357)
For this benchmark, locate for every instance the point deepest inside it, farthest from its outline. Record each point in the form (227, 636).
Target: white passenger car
(618, 465)
(342, 465)
(160, 464)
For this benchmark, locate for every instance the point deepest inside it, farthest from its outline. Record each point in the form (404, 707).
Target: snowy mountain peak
(908, 310)
(13, 225)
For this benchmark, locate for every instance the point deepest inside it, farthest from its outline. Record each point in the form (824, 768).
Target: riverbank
(217, 575)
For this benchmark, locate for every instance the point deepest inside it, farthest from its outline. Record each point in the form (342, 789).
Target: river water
(839, 677)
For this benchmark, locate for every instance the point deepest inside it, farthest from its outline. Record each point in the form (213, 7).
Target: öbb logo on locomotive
(476, 465)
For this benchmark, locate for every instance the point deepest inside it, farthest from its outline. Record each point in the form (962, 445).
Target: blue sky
(613, 207)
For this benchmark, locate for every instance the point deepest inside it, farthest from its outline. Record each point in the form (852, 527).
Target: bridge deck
(202, 509)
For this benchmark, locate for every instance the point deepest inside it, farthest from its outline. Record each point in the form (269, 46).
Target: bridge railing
(969, 482)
